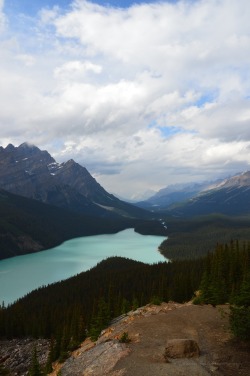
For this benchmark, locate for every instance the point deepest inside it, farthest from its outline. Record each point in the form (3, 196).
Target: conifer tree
(35, 368)
(64, 346)
(100, 319)
(240, 311)
(50, 359)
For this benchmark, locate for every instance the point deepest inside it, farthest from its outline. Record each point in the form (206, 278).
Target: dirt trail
(149, 329)
(220, 355)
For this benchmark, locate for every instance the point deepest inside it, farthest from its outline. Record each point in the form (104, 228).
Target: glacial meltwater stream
(22, 274)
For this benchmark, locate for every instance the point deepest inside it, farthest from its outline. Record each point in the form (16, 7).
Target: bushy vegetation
(125, 338)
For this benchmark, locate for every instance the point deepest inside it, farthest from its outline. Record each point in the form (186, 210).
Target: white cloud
(225, 121)
(2, 17)
(28, 60)
(143, 96)
(49, 15)
(76, 69)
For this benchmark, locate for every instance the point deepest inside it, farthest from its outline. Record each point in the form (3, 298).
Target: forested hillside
(195, 236)
(28, 225)
(90, 299)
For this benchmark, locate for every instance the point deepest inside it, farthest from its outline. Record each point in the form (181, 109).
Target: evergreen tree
(135, 303)
(35, 368)
(100, 319)
(240, 311)
(125, 306)
(50, 359)
(240, 321)
(64, 346)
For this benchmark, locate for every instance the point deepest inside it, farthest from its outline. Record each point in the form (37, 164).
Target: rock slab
(98, 361)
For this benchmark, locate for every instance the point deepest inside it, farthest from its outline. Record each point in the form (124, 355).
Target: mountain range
(43, 202)
(230, 196)
(33, 173)
(30, 172)
(171, 194)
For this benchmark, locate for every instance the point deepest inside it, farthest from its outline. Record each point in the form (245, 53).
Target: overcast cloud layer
(143, 97)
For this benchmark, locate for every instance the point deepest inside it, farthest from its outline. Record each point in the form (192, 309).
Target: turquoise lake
(22, 274)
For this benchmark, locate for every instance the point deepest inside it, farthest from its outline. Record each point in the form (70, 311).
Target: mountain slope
(230, 197)
(28, 225)
(27, 171)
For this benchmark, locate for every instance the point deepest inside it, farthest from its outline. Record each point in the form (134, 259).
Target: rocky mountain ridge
(239, 180)
(172, 194)
(230, 196)
(30, 172)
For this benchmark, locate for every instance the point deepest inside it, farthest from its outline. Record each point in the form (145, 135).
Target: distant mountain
(173, 194)
(27, 171)
(230, 196)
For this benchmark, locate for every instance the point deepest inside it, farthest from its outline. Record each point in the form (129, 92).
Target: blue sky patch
(32, 7)
(169, 131)
(206, 98)
(166, 131)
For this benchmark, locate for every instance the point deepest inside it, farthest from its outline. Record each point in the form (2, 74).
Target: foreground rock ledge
(98, 361)
(149, 329)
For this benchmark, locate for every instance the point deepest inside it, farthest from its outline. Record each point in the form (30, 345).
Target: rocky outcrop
(149, 329)
(99, 360)
(16, 354)
(181, 348)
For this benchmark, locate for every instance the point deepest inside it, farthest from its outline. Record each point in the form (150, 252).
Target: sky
(143, 94)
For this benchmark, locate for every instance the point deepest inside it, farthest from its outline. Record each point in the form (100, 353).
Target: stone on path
(181, 348)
